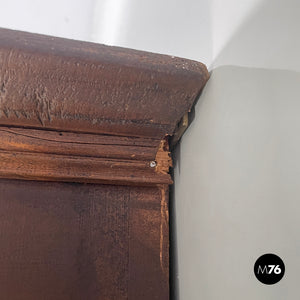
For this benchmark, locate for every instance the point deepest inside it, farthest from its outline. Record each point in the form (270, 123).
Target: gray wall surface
(237, 182)
(237, 186)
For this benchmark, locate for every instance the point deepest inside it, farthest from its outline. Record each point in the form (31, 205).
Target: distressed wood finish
(78, 157)
(84, 167)
(77, 144)
(63, 84)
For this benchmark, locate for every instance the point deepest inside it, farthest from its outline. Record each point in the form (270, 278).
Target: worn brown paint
(78, 157)
(64, 84)
(83, 211)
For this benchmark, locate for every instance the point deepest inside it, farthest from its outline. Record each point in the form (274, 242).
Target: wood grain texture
(61, 84)
(77, 157)
(81, 241)
(28, 166)
(76, 144)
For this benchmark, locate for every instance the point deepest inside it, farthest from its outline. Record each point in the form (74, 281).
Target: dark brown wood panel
(81, 241)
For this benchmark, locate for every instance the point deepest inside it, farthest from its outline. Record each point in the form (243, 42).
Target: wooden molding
(79, 157)
(83, 112)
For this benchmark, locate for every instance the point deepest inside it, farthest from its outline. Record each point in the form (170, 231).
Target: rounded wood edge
(113, 106)
(60, 84)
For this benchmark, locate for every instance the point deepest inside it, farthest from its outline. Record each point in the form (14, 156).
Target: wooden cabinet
(84, 167)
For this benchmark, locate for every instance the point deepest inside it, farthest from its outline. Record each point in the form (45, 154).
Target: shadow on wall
(268, 38)
(176, 158)
(237, 186)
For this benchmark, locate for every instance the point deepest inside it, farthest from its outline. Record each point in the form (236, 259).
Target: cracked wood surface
(33, 154)
(69, 85)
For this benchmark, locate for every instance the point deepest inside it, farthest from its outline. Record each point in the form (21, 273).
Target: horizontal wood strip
(50, 167)
(84, 138)
(76, 144)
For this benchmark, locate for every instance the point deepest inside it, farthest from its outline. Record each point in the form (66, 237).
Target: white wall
(238, 165)
(237, 174)
(267, 37)
(237, 185)
(180, 27)
(64, 18)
